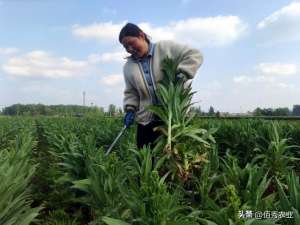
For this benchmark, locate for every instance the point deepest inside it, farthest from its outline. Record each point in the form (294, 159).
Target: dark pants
(146, 135)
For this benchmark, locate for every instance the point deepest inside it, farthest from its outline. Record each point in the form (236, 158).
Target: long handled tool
(115, 141)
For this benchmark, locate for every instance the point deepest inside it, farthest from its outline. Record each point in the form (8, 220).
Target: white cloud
(287, 12)
(108, 57)
(42, 64)
(246, 93)
(278, 69)
(157, 33)
(210, 31)
(269, 73)
(206, 31)
(242, 79)
(99, 31)
(285, 85)
(8, 51)
(112, 80)
(282, 25)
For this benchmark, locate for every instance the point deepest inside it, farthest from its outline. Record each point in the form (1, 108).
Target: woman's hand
(129, 118)
(180, 76)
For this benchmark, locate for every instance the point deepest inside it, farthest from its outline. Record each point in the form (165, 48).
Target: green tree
(111, 109)
(257, 112)
(196, 110)
(282, 112)
(211, 111)
(296, 110)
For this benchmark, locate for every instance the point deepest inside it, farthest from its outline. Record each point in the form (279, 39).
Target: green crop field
(54, 170)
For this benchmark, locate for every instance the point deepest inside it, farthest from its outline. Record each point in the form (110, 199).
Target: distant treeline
(284, 111)
(277, 111)
(52, 110)
(78, 110)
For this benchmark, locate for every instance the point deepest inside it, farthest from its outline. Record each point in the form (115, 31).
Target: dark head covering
(131, 29)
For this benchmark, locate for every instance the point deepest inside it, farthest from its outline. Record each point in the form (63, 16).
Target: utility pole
(83, 95)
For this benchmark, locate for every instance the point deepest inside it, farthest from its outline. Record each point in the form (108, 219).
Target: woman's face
(136, 46)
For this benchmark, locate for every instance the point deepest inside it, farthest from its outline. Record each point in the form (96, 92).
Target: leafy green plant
(101, 185)
(185, 144)
(240, 138)
(238, 189)
(59, 217)
(276, 157)
(252, 183)
(207, 182)
(289, 197)
(147, 195)
(16, 172)
(111, 221)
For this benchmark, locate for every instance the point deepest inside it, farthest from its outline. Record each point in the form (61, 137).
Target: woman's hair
(132, 30)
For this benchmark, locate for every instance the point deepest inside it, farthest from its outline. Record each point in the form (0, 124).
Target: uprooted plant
(185, 145)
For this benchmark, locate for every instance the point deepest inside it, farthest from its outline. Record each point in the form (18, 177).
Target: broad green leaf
(111, 221)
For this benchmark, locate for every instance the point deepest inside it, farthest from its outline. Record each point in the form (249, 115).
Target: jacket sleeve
(131, 97)
(190, 59)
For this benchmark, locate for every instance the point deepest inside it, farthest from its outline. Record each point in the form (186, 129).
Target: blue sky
(51, 51)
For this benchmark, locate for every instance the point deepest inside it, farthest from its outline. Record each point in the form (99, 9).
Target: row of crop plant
(17, 140)
(144, 187)
(247, 138)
